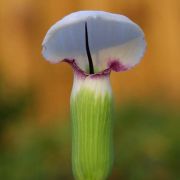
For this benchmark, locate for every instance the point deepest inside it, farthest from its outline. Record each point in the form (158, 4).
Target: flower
(114, 41)
(94, 43)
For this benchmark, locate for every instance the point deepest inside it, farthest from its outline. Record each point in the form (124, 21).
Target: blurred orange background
(24, 24)
(23, 70)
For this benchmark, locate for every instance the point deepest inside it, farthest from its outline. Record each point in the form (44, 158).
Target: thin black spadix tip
(91, 68)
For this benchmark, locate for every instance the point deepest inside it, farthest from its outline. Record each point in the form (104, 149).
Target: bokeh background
(35, 135)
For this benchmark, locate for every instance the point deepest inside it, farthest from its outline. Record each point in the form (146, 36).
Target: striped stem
(92, 147)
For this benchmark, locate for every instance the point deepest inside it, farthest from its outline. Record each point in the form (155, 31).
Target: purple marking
(101, 74)
(114, 65)
(80, 73)
(117, 66)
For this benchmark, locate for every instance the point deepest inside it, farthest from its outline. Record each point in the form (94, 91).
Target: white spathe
(111, 37)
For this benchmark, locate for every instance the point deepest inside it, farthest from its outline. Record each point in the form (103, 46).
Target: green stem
(92, 147)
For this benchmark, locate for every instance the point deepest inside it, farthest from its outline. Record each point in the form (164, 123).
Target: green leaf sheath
(92, 146)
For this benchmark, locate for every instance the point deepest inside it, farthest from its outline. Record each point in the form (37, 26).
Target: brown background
(35, 141)
(24, 24)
